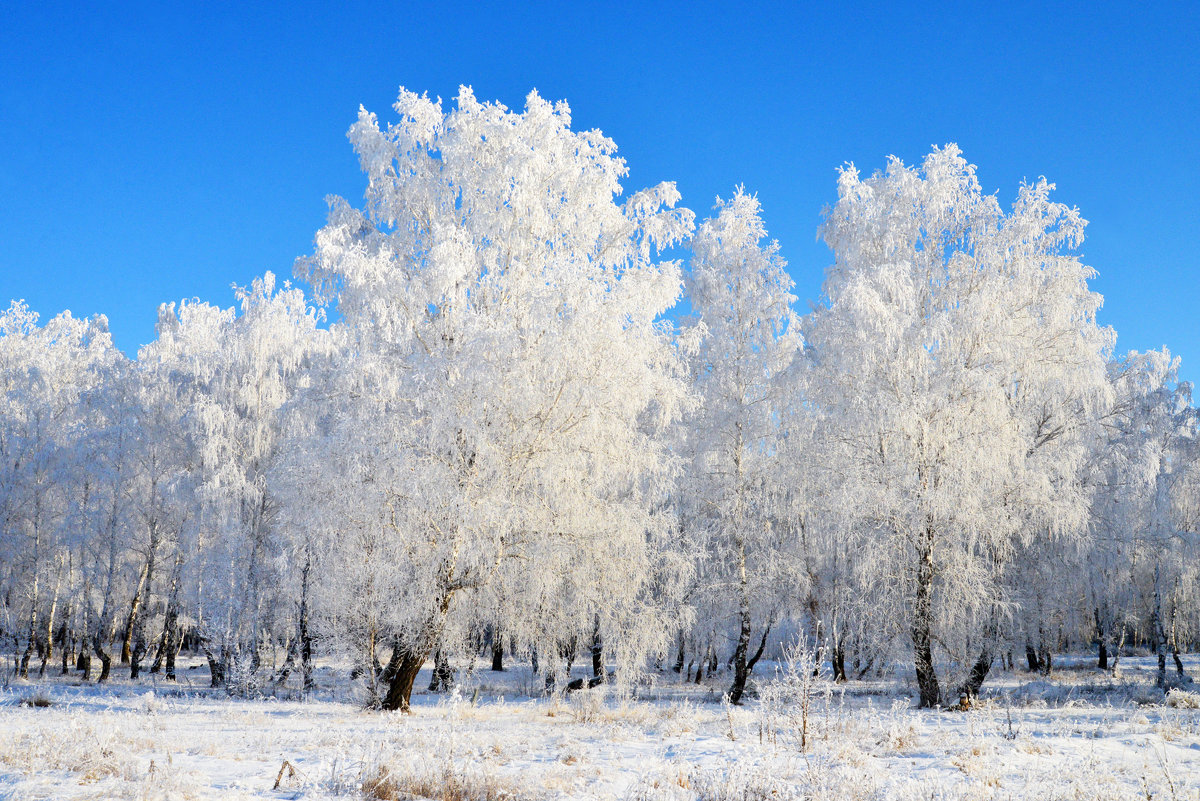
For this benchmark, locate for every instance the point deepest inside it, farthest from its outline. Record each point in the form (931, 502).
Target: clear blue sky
(149, 153)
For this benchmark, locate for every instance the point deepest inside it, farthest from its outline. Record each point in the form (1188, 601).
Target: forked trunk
(978, 674)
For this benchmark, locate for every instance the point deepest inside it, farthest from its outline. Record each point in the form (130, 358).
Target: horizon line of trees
(504, 443)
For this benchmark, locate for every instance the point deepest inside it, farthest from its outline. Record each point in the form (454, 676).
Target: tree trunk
(762, 645)
(160, 651)
(839, 662)
(443, 674)
(105, 660)
(597, 651)
(172, 644)
(1101, 639)
(922, 636)
(1046, 657)
(84, 661)
(740, 671)
(216, 668)
(407, 666)
(306, 665)
(408, 659)
(134, 606)
(48, 653)
(1031, 656)
(978, 674)
(678, 668)
(497, 650)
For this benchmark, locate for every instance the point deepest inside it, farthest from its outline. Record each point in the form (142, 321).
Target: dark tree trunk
(497, 651)
(839, 662)
(136, 656)
(922, 635)
(169, 641)
(1031, 656)
(1046, 657)
(172, 644)
(1101, 639)
(533, 660)
(83, 662)
(23, 667)
(740, 669)
(1178, 662)
(216, 668)
(105, 660)
(160, 651)
(762, 645)
(306, 664)
(680, 655)
(65, 639)
(45, 650)
(978, 674)
(597, 651)
(404, 667)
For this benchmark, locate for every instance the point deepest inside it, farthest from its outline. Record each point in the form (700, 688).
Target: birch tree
(741, 295)
(503, 368)
(958, 357)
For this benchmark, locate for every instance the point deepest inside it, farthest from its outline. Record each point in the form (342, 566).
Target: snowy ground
(1081, 735)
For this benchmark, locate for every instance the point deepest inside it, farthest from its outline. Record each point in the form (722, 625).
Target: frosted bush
(1182, 699)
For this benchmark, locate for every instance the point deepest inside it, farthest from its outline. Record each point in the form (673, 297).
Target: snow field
(1072, 737)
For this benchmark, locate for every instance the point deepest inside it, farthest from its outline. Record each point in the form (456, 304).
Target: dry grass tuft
(1182, 699)
(448, 784)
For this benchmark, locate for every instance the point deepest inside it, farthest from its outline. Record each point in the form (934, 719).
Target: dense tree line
(506, 440)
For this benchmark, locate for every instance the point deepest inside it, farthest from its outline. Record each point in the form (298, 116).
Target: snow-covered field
(1080, 735)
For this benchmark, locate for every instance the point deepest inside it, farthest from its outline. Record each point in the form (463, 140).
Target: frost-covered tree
(43, 372)
(1142, 556)
(958, 360)
(231, 372)
(501, 377)
(741, 295)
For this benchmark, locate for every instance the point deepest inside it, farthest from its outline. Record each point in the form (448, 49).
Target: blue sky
(149, 153)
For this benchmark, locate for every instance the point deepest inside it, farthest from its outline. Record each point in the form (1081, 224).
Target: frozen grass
(1078, 735)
